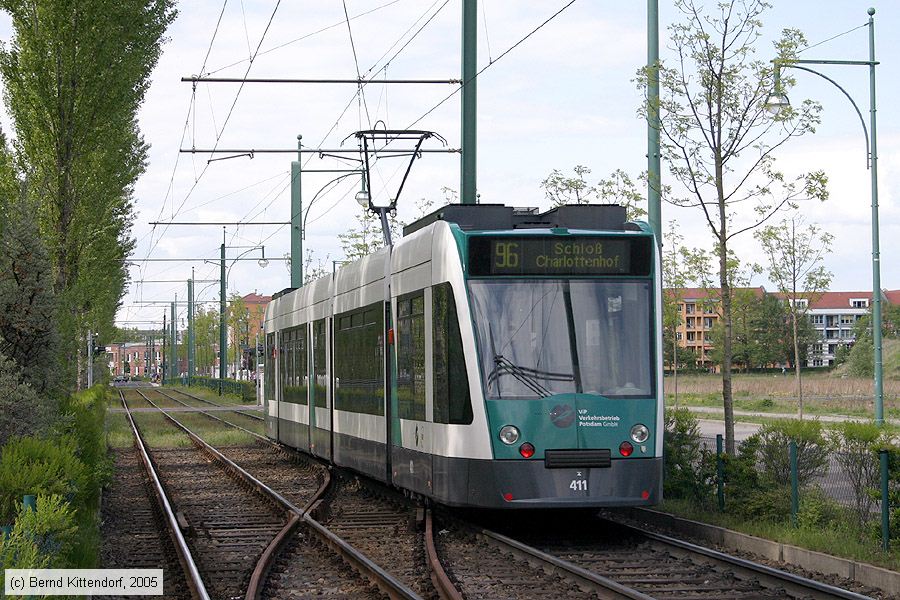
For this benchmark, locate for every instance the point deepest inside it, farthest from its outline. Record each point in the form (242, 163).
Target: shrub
(84, 421)
(22, 410)
(818, 511)
(40, 467)
(774, 453)
(748, 492)
(41, 538)
(689, 468)
(857, 447)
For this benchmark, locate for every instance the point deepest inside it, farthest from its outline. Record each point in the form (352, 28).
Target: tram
(492, 357)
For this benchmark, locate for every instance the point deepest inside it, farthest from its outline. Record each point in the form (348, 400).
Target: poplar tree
(719, 141)
(75, 74)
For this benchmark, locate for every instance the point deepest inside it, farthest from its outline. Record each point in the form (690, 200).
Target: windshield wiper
(528, 377)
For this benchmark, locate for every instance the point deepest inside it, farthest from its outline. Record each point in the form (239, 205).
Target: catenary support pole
(468, 162)
(173, 361)
(190, 330)
(166, 370)
(654, 208)
(223, 348)
(876, 254)
(296, 220)
(884, 458)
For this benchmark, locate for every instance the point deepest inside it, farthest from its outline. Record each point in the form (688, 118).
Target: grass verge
(844, 542)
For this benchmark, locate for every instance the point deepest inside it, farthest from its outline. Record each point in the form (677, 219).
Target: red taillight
(645, 495)
(625, 449)
(526, 450)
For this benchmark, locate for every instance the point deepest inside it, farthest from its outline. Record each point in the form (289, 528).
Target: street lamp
(778, 102)
(223, 343)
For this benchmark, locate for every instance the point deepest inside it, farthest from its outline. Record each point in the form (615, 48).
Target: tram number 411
(579, 485)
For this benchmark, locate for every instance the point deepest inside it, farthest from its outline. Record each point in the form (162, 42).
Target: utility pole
(90, 359)
(468, 163)
(296, 220)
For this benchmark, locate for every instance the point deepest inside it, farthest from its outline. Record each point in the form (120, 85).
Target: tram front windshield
(541, 337)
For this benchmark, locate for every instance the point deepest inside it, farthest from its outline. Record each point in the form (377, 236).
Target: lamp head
(777, 102)
(362, 198)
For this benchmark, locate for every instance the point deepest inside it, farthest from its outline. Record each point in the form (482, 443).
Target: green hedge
(65, 469)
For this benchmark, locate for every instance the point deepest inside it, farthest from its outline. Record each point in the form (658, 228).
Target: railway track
(236, 409)
(211, 526)
(131, 517)
(242, 420)
(610, 560)
(377, 530)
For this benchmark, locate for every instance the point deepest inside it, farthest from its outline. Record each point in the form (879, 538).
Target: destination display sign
(546, 255)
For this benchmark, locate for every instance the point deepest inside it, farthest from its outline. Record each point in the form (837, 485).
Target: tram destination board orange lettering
(559, 256)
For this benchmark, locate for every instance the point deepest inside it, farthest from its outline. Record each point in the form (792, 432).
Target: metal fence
(864, 494)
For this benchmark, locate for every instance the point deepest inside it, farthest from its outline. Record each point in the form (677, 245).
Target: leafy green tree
(28, 333)
(674, 280)
(206, 339)
(367, 237)
(238, 318)
(619, 188)
(22, 410)
(795, 254)
(75, 75)
(719, 141)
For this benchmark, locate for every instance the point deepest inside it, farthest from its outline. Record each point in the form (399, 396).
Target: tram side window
(319, 364)
(452, 402)
(359, 360)
(284, 357)
(297, 369)
(411, 357)
(270, 367)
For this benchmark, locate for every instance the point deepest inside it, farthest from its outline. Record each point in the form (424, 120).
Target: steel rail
(234, 409)
(385, 582)
(795, 584)
(294, 514)
(195, 582)
(604, 587)
(445, 588)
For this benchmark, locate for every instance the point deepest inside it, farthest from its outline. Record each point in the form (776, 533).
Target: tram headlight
(640, 433)
(509, 434)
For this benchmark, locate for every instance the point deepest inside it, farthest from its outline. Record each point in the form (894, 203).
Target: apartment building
(699, 309)
(833, 315)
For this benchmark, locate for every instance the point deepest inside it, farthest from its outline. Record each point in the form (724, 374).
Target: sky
(566, 96)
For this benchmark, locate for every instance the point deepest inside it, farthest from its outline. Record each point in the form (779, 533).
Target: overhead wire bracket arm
(357, 81)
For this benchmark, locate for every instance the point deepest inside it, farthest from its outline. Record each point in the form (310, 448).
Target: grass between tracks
(160, 433)
(207, 394)
(842, 542)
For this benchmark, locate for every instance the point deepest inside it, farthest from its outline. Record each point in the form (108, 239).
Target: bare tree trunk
(675, 365)
(727, 397)
(797, 362)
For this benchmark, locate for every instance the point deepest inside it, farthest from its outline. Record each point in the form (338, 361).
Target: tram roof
(496, 217)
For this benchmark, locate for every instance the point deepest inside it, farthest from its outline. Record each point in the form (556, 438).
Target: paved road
(710, 427)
